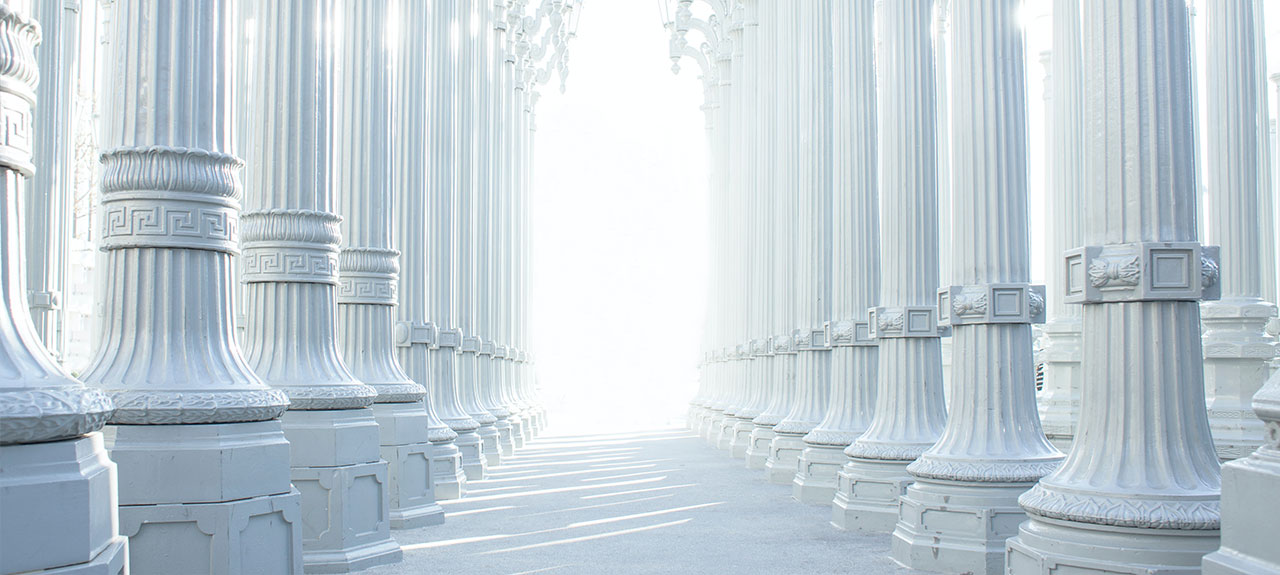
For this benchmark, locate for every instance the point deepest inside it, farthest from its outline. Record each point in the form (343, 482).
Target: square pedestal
(57, 506)
(725, 438)
(489, 446)
(1249, 511)
(331, 438)
(208, 463)
(867, 494)
(1047, 547)
(506, 445)
(472, 451)
(815, 479)
(446, 468)
(110, 561)
(412, 487)
(741, 439)
(256, 535)
(346, 522)
(758, 447)
(784, 458)
(957, 528)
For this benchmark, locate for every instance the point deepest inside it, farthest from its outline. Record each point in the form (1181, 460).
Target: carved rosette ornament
(39, 401)
(1141, 483)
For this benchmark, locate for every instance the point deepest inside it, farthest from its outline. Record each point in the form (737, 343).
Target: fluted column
(942, 95)
(369, 266)
(473, 291)
(50, 194)
(811, 57)
(415, 333)
(1060, 396)
(291, 254)
(491, 206)
(1237, 348)
(50, 443)
(855, 253)
(752, 168)
(198, 441)
(732, 139)
(992, 449)
(1140, 485)
(778, 352)
(909, 411)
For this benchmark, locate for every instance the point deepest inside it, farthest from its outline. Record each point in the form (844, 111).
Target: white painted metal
(291, 241)
(909, 410)
(1138, 493)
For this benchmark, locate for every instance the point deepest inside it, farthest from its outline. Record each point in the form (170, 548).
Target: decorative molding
(145, 407)
(33, 415)
(983, 471)
(1129, 510)
(448, 338)
(904, 321)
(1142, 271)
(995, 303)
(368, 276)
(415, 333)
(290, 245)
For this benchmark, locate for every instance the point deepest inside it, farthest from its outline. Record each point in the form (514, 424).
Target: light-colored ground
(644, 502)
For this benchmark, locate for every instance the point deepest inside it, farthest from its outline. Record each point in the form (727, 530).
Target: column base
(506, 446)
(402, 428)
(110, 561)
(741, 439)
(446, 466)
(958, 528)
(517, 432)
(758, 449)
(59, 507)
(867, 494)
(728, 429)
(526, 426)
(256, 535)
(489, 445)
(472, 451)
(1249, 511)
(1236, 433)
(1049, 547)
(815, 480)
(784, 458)
(715, 421)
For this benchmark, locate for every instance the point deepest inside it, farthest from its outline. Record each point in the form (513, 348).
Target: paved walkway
(648, 502)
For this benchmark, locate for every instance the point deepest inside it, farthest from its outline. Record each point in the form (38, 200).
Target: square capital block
(451, 338)
(784, 344)
(409, 333)
(849, 333)
(991, 303)
(905, 321)
(1142, 271)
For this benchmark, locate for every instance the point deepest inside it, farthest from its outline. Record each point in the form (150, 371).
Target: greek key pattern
(296, 246)
(171, 169)
(368, 276)
(295, 264)
(1142, 271)
(174, 221)
(355, 289)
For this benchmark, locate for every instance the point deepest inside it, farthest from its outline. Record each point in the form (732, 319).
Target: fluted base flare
(867, 494)
(759, 446)
(57, 508)
(784, 458)
(1249, 511)
(446, 465)
(1047, 547)
(816, 477)
(957, 528)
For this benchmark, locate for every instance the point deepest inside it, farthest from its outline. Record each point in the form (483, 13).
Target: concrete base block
(1046, 547)
(957, 528)
(815, 479)
(758, 448)
(58, 507)
(728, 428)
(111, 561)
(1249, 512)
(517, 432)
(741, 439)
(208, 463)
(784, 458)
(345, 517)
(412, 487)
(472, 451)
(506, 445)
(715, 422)
(256, 535)
(526, 427)
(489, 446)
(867, 494)
(446, 468)
(331, 438)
